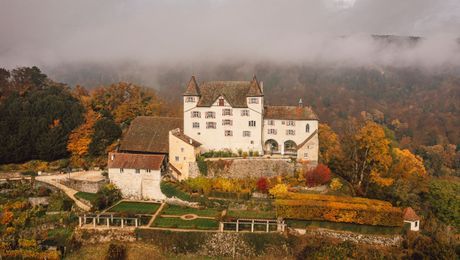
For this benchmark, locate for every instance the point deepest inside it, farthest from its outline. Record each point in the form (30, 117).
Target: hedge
(230, 195)
(332, 198)
(359, 213)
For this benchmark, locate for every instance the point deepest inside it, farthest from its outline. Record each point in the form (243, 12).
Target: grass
(356, 228)
(179, 211)
(199, 223)
(251, 214)
(135, 207)
(91, 197)
(171, 190)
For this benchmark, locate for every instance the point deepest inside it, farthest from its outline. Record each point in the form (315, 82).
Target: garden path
(156, 214)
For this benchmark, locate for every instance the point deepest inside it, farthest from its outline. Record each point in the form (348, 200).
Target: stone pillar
(94, 222)
(252, 226)
(221, 226)
(84, 219)
(122, 224)
(282, 148)
(268, 226)
(237, 225)
(79, 221)
(135, 222)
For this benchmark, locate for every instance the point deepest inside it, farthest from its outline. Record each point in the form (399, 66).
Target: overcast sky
(47, 32)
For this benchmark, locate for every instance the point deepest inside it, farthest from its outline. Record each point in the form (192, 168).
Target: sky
(156, 32)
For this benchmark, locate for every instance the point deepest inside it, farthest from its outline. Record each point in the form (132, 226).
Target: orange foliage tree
(321, 174)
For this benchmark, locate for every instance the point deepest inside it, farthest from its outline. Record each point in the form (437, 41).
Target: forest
(392, 133)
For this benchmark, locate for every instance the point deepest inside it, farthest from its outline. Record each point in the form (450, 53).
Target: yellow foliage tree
(329, 145)
(80, 138)
(407, 164)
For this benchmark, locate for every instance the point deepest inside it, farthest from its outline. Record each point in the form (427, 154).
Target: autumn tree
(80, 138)
(105, 133)
(367, 151)
(330, 149)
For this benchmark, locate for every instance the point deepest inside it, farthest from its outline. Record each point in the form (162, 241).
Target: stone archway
(271, 146)
(290, 147)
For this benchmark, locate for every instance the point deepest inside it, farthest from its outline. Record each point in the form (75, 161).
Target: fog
(190, 32)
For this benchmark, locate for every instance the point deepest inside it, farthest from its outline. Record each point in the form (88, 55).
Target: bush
(169, 190)
(202, 165)
(256, 153)
(245, 155)
(107, 196)
(251, 153)
(262, 185)
(279, 190)
(335, 184)
(318, 176)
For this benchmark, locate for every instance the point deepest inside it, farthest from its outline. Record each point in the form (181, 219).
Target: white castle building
(231, 115)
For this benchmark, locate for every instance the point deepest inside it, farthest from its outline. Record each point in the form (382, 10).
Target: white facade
(221, 126)
(414, 225)
(137, 183)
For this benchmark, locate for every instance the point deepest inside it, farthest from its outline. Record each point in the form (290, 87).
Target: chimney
(190, 140)
(112, 157)
(300, 102)
(261, 86)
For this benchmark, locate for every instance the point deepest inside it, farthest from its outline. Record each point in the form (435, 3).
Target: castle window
(227, 122)
(252, 123)
(271, 131)
(196, 114)
(270, 122)
(305, 155)
(227, 112)
(253, 100)
(228, 133)
(283, 122)
(290, 132)
(290, 122)
(210, 114)
(148, 170)
(221, 102)
(138, 170)
(177, 158)
(182, 149)
(246, 133)
(211, 125)
(196, 125)
(245, 112)
(189, 99)
(122, 170)
(307, 128)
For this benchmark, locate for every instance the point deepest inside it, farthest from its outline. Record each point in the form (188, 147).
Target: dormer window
(189, 99)
(253, 100)
(221, 102)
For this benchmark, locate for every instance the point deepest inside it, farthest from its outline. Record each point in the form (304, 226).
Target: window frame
(252, 123)
(246, 133)
(210, 114)
(228, 133)
(227, 122)
(209, 125)
(290, 132)
(245, 112)
(195, 114)
(195, 125)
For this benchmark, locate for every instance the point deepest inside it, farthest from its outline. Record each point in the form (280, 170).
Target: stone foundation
(85, 186)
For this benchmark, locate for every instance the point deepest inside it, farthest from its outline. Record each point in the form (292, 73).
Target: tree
(105, 133)
(107, 196)
(262, 185)
(444, 200)
(278, 190)
(329, 146)
(321, 174)
(80, 138)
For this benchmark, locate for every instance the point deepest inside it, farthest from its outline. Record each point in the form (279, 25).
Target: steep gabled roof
(410, 215)
(192, 88)
(135, 161)
(149, 134)
(307, 139)
(179, 134)
(289, 113)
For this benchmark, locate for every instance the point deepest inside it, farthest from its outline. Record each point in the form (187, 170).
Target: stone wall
(85, 186)
(250, 167)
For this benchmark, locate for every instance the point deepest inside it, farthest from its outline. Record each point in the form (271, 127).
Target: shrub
(240, 152)
(279, 190)
(256, 153)
(318, 176)
(107, 196)
(335, 184)
(202, 165)
(262, 185)
(251, 153)
(245, 155)
(169, 190)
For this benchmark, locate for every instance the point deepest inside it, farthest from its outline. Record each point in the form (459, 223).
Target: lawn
(135, 207)
(199, 223)
(356, 228)
(179, 211)
(91, 197)
(170, 190)
(251, 214)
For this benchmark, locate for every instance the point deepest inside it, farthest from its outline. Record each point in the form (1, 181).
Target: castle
(218, 116)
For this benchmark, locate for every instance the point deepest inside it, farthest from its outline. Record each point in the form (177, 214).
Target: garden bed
(199, 223)
(256, 214)
(356, 228)
(88, 196)
(135, 207)
(179, 211)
